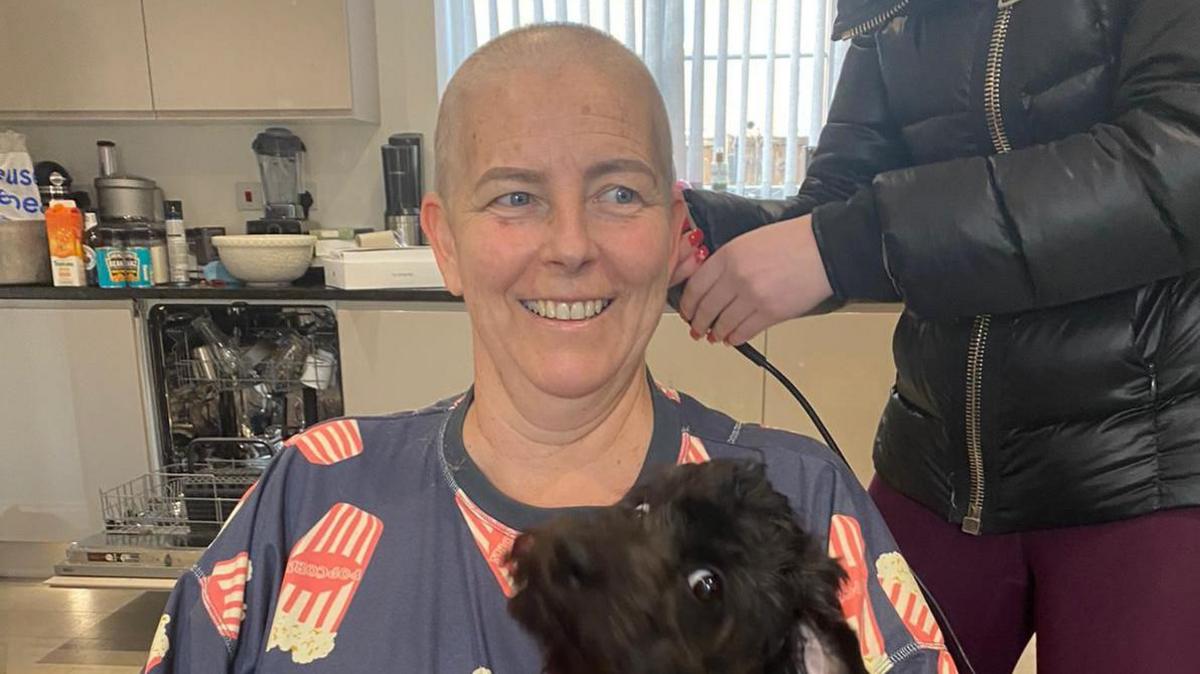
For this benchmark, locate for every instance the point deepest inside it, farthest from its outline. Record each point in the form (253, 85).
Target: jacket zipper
(973, 522)
(874, 23)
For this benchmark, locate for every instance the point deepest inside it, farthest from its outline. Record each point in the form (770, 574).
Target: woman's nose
(568, 239)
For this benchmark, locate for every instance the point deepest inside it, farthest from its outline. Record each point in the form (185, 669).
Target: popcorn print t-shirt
(377, 545)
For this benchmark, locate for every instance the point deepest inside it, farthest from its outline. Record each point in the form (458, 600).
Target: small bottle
(160, 270)
(177, 246)
(64, 230)
(91, 240)
(720, 172)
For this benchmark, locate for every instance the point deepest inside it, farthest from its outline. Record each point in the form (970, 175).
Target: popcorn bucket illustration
(223, 593)
(329, 443)
(905, 594)
(846, 545)
(494, 539)
(160, 645)
(323, 573)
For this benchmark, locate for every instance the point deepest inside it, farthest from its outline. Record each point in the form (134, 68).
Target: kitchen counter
(289, 293)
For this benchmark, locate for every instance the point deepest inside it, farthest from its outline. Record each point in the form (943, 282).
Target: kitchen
(89, 373)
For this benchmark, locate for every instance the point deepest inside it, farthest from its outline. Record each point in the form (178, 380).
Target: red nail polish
(695, 237)
(711, 339)
(702, 253)
(694, 334)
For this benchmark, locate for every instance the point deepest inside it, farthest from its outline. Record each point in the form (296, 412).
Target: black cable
(754, 356)
(760, 360)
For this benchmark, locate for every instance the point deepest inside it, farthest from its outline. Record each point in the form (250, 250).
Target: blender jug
(280, 155)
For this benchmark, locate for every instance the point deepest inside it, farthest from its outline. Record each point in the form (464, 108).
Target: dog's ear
(815, 580)
(747, 477)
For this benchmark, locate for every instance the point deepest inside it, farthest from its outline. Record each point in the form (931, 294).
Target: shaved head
(562, 55)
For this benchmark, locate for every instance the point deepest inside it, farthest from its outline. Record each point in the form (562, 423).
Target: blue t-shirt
(377, 545)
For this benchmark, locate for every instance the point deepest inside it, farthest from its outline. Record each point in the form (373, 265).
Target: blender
(280, 155)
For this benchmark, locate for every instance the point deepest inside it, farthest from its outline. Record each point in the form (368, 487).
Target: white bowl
(266, 259)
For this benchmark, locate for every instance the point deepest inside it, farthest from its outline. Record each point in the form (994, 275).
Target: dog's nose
(574, 561)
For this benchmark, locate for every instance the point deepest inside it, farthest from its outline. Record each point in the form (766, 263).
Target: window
(747, 83)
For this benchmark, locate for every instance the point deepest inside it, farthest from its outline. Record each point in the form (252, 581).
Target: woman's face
(559, 231)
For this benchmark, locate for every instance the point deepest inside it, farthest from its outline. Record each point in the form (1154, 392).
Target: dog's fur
(609, 593)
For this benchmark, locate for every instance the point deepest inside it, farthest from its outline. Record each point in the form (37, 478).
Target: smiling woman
(556, 220)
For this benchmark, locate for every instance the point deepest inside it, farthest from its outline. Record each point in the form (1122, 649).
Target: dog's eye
(706, 585)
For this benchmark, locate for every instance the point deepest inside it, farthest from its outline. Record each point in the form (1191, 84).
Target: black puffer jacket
(1026, 179)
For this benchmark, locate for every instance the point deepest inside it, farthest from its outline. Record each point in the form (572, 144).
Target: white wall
(199, 162)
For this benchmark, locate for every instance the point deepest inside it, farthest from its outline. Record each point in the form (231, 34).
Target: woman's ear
(435, 222)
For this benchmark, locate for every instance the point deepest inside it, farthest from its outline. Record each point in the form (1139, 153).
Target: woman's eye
(621, 195)
(514, 199)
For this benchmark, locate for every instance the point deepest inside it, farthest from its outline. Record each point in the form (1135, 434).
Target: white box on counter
(369, 268)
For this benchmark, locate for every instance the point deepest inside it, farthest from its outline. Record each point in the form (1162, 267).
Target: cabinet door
(396, 360)
(73, 418)
(842, 362)
(72, 56)
(233, 55)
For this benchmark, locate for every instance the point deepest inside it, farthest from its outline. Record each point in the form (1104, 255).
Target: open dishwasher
(229, 383)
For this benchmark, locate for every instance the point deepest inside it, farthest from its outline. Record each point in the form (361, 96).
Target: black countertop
(289, 293)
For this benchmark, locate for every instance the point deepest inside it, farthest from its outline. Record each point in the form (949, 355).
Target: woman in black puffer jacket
(1025, 178)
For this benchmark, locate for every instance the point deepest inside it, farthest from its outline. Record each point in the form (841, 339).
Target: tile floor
(47, 630)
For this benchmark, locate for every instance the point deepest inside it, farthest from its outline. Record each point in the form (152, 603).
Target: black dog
(702, 571)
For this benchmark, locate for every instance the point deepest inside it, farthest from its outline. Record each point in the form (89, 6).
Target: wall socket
(249, 196)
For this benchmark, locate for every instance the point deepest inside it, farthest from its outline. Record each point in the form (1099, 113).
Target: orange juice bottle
(64, 229)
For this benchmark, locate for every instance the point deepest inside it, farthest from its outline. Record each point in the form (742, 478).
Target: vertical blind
(747, 83)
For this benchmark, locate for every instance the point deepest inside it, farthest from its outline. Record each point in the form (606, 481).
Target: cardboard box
(369, 268)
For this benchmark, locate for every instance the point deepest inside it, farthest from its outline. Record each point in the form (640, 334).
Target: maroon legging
(1119, 598)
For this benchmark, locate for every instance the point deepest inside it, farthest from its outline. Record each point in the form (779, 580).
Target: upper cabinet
(182, 59)
(74, 59)
(278, 57)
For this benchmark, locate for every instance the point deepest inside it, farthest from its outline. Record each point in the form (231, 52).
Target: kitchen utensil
(266, 259)
(53, 180)
(106, 152)
(200, 243)
(289, 360)
(129, 199)
(280, 156)
(123, 197)
(24, 253)
(226, 357)
(318, 369)
(204, 366)
(403, 186)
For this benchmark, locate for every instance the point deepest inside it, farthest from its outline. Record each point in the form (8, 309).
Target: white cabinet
(313, 58)
(843, 363)
(74, 58)
(72, 416)
(189, 59)
(404, 358)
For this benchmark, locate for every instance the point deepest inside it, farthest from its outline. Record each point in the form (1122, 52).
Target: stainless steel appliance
(280, 155)
(230, 383)
(122, 197)
(403, 187)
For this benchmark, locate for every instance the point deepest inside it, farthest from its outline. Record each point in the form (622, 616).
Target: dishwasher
(228, 384)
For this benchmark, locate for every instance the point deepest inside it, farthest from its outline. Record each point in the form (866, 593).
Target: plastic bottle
(720, 172)
(64, 229)
(177, 247)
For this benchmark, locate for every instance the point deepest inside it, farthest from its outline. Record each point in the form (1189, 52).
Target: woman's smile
(567, 310)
